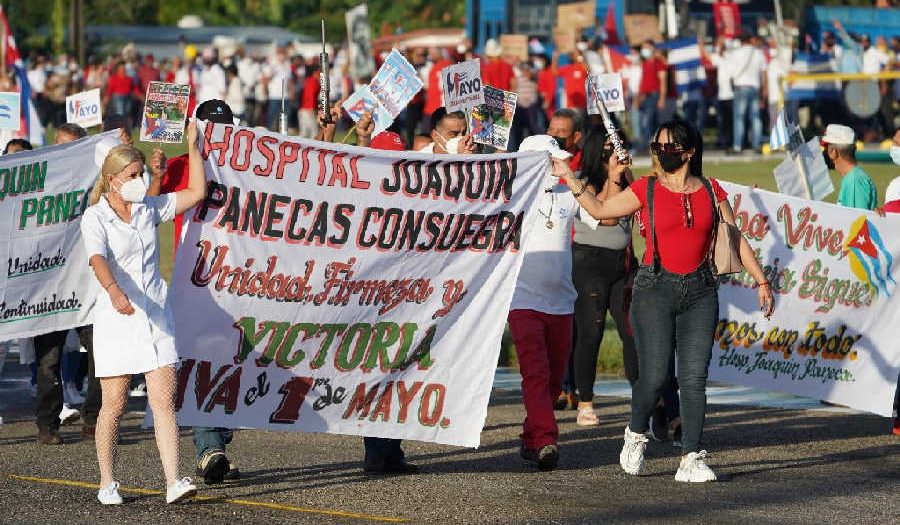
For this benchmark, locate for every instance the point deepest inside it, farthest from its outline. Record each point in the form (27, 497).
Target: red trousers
(543, 343)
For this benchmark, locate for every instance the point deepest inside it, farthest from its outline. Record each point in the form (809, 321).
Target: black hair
(572, 115)
(441, 113)
(112, 122)
(72, 129)
(595, 156)
(683, 132)
(24, 144)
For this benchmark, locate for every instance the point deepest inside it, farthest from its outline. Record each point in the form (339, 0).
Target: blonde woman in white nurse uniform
(132, 327)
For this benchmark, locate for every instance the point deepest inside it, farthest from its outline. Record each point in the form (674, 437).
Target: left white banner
(329, 288)
(46, 285)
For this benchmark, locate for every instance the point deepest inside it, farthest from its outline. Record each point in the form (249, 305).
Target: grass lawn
(610, 361)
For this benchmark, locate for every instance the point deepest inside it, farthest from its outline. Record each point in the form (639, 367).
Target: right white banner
(833, 272)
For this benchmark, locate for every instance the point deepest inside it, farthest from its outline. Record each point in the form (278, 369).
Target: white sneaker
(140, 390)
(109, 495)
(71, 395)
(68, 415)
(182, 489)
(632, 457)
(694, 469)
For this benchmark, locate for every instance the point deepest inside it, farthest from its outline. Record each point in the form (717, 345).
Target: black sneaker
(212, 466)
(548, 457)
(233, 473)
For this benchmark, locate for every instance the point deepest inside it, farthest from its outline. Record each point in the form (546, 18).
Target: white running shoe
(68, 415)
(109, 495)
(183, 489)
(694, 469)
(140, 390)
(632, 457)
(71, 395)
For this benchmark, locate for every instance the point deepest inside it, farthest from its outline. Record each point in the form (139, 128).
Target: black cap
(215, 110)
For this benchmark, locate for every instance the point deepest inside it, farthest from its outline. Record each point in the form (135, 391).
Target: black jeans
(48, 350)
(601, 279)
(669, 312)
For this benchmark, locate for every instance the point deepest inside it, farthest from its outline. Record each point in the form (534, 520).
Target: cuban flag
(870, 260)
(684, 57)
(809, 90)
(31, 128)
(779, 137)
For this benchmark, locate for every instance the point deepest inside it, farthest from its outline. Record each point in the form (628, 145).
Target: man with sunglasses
(839, 149)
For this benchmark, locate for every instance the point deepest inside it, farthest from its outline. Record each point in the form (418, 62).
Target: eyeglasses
(688, 210)
(669, 147)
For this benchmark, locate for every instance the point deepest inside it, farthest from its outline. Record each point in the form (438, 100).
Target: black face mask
(563, 143)
(828, 162)
(670, 162)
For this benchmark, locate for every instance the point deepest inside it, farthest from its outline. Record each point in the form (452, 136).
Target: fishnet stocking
(161, 385)
(114, 399)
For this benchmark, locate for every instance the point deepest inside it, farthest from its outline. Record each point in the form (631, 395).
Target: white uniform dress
(143, 341)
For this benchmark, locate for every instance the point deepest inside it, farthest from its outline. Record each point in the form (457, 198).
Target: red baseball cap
(388, 140)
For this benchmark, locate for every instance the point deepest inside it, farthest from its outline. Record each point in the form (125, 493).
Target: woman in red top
(119, 88)
(675, 301)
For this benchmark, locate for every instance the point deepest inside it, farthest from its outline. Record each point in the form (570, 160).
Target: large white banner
(834, 272)
(329, 288)
(46, 285)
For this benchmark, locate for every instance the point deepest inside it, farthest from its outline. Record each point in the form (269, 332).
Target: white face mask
(646, 52)
(133, 191)
(451, 146)
(581, 46)
(895, 154)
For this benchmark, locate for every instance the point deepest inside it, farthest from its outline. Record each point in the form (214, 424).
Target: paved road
(777, 466)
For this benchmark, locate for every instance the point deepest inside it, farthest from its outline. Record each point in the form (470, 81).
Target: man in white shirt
(249, 71)
(540, 315)
(211, 84)
(749, 82)
(874, 57)
(279, 81)
(721, 59)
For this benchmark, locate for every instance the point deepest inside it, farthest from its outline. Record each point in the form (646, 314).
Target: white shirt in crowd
(278, 74)
(749, 64)
(775, 71)
(235, 96)
(143, 341)
(723, 74)
(37, 77)
(249, 71)
(545, 280)
(874, 61)
(211, 84)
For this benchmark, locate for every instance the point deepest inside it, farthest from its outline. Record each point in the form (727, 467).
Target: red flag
(612, 35)
(863, 242)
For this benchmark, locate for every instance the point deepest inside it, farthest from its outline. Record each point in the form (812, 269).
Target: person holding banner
(540, 315)
(133, 326)
(675, 301)
(448, 133)
(50, 409)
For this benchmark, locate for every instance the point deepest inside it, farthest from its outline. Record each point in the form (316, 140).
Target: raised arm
(621, 204)
(196, 190)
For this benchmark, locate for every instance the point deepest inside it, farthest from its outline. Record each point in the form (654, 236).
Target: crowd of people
(739, 95)
(664, 303)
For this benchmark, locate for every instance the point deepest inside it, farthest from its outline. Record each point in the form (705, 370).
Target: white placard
(610, 87)
(462, 86)
(84, 109)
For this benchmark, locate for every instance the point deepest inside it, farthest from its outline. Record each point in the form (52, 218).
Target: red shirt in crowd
(546, 82)
(650, 70)
(147, 74)
(575, 160)
(574, 79)
(175, 179)
(119, 85)
(681, 248)
(496, 72)
(434, 97)
(310, 96)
